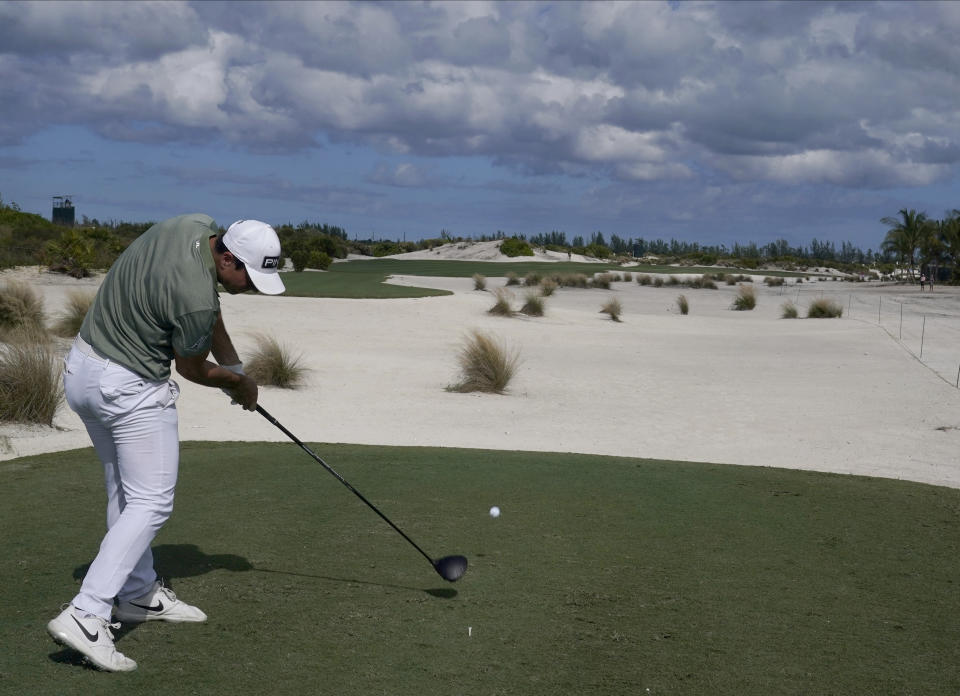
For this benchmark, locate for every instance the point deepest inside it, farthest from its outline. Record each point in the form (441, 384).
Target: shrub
(644, 279)
(30, 386)
(272, 364)
(704, 281)
(628, 277)
(515, 247)
(20, 307)
(602, 280)
(574, 280)
(683, 304)
(532, 278)
(486, 365)
(746, 299)
(74, 253)
(534, 305)
(548, 287)
(299, 259)
(613, 308)
(78, 304)
(512, 278)
(479, 282)
(824, 308)
(789, 310)
(773, 282)
(319, 259)
(501, 307)
(658, 282)
(673, 280)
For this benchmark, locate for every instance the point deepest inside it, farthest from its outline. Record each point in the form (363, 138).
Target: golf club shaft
(340, 478)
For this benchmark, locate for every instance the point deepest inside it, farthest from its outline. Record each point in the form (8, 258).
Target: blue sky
(708, 122)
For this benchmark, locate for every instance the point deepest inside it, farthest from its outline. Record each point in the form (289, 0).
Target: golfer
(157, 305)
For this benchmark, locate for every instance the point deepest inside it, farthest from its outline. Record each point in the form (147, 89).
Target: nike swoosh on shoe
(157, 607)
(92, 637)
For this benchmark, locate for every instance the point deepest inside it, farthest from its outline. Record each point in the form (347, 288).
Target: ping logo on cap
(271, 262)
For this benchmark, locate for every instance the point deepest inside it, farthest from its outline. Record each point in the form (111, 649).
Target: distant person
(158, 305)
(923, 280)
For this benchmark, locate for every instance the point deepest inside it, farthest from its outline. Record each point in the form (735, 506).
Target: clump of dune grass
(773, 282)
(20, 307)
(644, 279)
(683, 304)
(746, 299)
(574, 280)
(658, 282)
(533, 307)
(486, 365)
(824, 308)
(532, 278)
(272, 364)
(613, 308)
(789, 310)
(78, 304)
(702, 282)
(734, 279)
(628, 277)
(512, 279)
(673, 280)
(30, 386)
(602, 280)
(479, 282)
(502, 306)
(548, 287)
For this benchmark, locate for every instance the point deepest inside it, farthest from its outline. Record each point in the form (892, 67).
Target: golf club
(450, 568)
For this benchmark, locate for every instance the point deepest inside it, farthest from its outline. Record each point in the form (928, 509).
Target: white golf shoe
(158, 604)
(90, 636)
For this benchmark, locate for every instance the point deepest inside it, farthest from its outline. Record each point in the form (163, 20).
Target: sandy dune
(717, 385)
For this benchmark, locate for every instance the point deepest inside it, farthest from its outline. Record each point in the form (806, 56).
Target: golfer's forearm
(221, 345)
(202, 371)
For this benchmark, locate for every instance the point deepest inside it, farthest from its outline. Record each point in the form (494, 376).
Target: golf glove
(235, 369)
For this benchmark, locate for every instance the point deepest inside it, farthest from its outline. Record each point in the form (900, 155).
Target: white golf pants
(133, 424)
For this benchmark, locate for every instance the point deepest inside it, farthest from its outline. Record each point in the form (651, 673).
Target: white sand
(717, 385)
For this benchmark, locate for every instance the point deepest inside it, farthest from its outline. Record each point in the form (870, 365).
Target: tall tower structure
(63, 211)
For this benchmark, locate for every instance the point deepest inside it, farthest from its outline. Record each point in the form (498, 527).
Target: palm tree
(905, 236)
(947, 232)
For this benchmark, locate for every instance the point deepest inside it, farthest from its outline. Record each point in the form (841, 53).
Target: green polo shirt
(159, 297)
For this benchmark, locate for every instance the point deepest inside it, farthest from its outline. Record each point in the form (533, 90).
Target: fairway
(601, 576)
(364, 279)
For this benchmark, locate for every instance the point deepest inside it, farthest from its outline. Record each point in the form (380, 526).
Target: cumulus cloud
(640, 92)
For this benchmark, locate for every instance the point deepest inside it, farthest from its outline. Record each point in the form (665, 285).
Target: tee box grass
(601, 576)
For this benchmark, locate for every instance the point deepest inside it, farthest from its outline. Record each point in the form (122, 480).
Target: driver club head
(451, 568)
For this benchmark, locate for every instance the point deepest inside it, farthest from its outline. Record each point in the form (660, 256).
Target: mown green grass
(364, 279)
(602, 576)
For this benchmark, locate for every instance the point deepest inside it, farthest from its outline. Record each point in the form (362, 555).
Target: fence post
(901, 321)
(923, 330)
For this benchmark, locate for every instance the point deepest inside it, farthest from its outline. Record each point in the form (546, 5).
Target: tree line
(925, 245)
(914, 241)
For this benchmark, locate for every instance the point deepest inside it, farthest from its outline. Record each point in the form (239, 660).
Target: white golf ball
(494, 511)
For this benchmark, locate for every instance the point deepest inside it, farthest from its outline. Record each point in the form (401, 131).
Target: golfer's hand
(237, 370)
(245, 393)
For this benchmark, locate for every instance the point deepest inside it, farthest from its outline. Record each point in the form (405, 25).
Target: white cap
(256, 244)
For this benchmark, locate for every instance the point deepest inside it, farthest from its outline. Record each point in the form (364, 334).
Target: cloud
(402, 175)
(628, 91)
